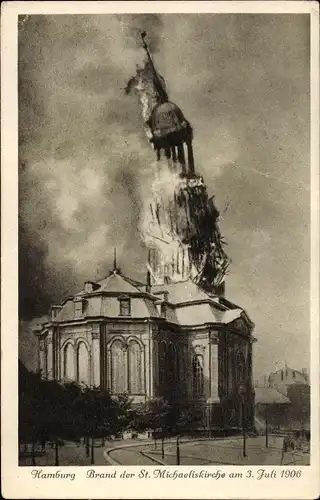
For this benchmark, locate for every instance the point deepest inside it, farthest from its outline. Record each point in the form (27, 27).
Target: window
(171, 361)
(83, 364)
(79, 308)
(281, 374)
(163, 310)
(293, 374)
(68, 367)
(125, 306)
(162, 367)
(198, 375)
(241, 368)
(135, 368)
(118, 367)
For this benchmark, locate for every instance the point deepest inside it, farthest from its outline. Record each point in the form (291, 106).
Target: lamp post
(266, 418)
(92, 451)
(56, 461)
(178, 451)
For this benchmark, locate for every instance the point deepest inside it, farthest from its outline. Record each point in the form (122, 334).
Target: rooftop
(269, 395)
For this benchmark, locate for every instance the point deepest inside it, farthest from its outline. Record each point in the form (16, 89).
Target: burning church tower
(180, 223)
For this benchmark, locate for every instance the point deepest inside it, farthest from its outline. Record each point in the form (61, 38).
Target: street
(212, 452)
(227, 451)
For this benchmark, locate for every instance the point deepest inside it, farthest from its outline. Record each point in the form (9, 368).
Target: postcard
(160, 242)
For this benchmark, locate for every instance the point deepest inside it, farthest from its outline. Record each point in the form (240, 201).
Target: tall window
(198, 382)
(44, 359)
(162, 367)
(135, 368)
(118, 367)
(83, 363)
(68, 368)
(125, 306)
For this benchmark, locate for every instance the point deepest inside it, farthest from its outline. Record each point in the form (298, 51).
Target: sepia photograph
(164, 243)
(164, 239)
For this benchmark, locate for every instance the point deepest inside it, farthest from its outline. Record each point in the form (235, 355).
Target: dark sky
(242, 80)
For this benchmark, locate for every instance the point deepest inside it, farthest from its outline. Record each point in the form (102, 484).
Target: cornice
(198, 302)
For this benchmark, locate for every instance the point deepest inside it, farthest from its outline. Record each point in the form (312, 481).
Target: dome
(168, 125)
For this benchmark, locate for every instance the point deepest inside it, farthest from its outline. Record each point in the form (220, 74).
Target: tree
(157, 415)
(122, 413)
(49, 410)
(182, 416)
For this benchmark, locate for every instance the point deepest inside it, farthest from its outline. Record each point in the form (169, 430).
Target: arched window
(83, 364)
(183, 366)
(162, 366)
(68, 367)
(135, 368)
(198, 384)
(118, 367)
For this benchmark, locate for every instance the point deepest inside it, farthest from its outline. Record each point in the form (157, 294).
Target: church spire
(115, 269)
(115, 258)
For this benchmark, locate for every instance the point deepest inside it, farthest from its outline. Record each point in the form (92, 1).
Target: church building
(176, 335)
(172, 340)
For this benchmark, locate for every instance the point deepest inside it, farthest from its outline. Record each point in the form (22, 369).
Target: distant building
(270, 405)
(282, 379)
(172, 340)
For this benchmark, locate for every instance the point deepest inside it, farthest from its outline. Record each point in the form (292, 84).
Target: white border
(17, 481)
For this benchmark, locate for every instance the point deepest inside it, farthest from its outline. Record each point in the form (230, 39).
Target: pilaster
(50, 354)
(214, 368)
(42, 358)
(147, 357)
(95, 356)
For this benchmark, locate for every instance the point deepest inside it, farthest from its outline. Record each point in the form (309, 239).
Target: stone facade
(172, 340)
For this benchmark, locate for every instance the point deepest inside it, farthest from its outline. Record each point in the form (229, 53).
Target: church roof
(185, 303)
(117, 283)
(197, 314)
(183, 291)
(231, 315)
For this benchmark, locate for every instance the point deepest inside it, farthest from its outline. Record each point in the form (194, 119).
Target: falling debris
(180, 221)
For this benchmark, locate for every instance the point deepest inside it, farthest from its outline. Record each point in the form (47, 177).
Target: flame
(171, 228)
(178, 220)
